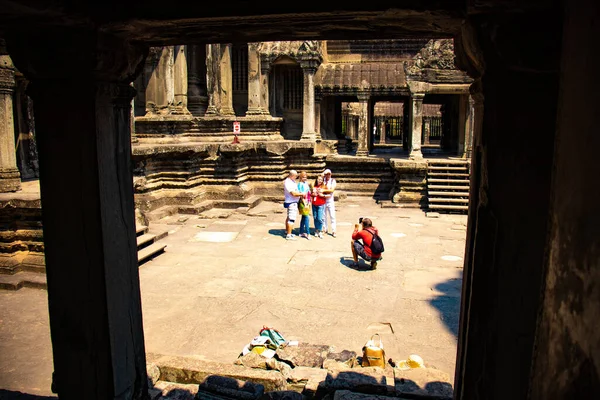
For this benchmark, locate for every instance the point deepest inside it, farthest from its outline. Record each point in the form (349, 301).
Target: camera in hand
(360, 220)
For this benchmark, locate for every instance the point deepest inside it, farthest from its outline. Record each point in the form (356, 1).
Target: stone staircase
(240, 205)
(147, 244)
(448, 185)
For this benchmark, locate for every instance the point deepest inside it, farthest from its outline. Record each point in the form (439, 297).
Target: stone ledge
(186, 370)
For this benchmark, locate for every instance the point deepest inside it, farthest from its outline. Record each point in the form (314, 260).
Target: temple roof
(360, 76)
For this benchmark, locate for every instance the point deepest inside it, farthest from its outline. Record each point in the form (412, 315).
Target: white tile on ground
(232, 222)
(218, 237)
(398, 234)
(451, 258)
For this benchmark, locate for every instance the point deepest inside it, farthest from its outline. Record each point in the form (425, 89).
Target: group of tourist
(303, 198)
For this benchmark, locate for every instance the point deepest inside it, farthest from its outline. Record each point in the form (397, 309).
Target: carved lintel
(437, 54)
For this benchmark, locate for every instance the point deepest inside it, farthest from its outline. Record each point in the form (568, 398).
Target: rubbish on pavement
(373, 353)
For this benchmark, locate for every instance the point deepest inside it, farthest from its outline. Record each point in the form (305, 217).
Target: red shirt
(367, 238)
(318, 200)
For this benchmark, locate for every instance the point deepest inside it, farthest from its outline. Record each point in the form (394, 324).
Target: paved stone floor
(221, 279)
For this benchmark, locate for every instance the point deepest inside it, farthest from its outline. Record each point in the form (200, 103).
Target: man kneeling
(363, 249)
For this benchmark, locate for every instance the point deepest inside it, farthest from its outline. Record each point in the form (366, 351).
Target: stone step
(161, 212)
(389, 204)
(436, 174)
(140, 230)
(249, 202)
(448, 162)
(449, 194)
(149, 252)
(453, 168)
(447, 207)
(23, 279)
(436, 180)
(447, 200)
(145, 240)
(447, 187)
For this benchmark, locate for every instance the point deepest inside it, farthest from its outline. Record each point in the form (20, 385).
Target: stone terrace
(226, 273)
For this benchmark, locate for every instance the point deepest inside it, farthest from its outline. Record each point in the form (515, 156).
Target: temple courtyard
(227, 273)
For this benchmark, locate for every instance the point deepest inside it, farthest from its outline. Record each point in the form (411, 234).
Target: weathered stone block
(232, 388)
(304, 355)
(423, 381)
(299, 374)
(189, 370)
(357, 380)
(348, 395)
(176, 391)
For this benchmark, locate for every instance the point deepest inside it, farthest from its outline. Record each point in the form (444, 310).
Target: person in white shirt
(329, 183)
(290, 202)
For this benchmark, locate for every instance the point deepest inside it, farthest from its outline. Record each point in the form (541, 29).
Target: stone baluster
(10, 178)
(382, 132)
(255, 105)
(264, 80)
(318, 99)
(180, 81)
(213, 71)
(416, 122)
(308, 107)
(363, 125)
(226, 80)
(160, 91)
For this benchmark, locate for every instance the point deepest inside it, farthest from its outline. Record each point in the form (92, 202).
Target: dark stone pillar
(88, 209)
(513, 156)
(197, 97)
(567, 354)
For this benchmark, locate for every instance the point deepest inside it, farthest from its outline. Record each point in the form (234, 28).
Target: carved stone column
(264, 83)
(318, 117)
(474, 121)
(463, 124)
(160, 91)
(226, 81)
(255, 105)
(87, 196)
(197, 98)
(416, 122)
(180, 80)
(213, 73)
(10, 178)
(382, 132)
(363, 126)
(308, 120)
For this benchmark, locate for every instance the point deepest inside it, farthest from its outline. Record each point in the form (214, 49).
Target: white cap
(327, 171)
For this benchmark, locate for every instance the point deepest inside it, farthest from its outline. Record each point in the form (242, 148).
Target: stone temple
(392, 118)
(529, 303)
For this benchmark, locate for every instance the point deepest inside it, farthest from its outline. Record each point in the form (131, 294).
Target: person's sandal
(333, 234)
(373, 264)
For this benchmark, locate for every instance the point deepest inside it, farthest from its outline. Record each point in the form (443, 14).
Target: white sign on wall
(236, 127)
